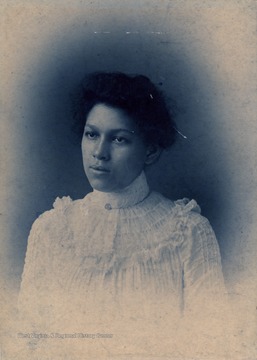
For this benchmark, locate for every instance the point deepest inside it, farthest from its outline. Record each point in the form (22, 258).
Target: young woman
(123, 257)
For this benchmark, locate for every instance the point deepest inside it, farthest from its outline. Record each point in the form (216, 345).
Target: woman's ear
(153, 153)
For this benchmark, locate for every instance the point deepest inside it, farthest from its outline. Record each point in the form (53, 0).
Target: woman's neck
(131, 195)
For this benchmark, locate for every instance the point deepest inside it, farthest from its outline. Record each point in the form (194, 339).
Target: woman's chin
(102, 186)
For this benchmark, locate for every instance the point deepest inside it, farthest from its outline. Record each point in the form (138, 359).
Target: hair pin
(180, 133)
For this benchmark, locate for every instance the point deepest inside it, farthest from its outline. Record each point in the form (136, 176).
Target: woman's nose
(101, 150)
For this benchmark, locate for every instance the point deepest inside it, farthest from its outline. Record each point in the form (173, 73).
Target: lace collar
(134, 193)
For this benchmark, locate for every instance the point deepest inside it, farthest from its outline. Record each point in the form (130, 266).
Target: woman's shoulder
(55, 225)
(162, 212)
(189, 211)
(62, 209)
(182, 214)
(62, 205)
(180, 208)
(184, 226)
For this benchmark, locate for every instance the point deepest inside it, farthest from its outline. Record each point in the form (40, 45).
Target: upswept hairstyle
(136, 95)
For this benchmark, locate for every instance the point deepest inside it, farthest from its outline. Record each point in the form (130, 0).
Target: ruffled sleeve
(200, 259)
(62, 203)
(37, 285)
(205, 303)
(35, 279)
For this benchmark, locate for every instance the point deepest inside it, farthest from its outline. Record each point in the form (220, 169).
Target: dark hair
(136, 95)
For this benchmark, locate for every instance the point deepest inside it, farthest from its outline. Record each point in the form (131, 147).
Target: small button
(108, 206)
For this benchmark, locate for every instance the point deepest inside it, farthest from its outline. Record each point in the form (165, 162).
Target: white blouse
(116, 258)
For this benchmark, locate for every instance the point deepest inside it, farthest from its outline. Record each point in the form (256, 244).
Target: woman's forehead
(107, 117)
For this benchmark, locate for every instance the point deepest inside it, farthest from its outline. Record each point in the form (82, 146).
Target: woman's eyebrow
(112, 130)
(130, 131)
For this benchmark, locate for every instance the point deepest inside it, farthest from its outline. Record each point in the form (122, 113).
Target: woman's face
(113, 151)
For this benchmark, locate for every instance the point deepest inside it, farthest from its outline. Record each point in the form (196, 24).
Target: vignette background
(201, 53)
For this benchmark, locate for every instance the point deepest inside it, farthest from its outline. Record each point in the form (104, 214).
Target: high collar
(134, 193)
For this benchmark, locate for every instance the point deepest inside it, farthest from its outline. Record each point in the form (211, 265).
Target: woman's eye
(119, 140)
(91, 135)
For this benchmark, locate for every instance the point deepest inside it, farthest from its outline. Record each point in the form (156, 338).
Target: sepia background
(202, 54)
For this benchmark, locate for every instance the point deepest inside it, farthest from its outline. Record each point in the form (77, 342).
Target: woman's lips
(99, 169)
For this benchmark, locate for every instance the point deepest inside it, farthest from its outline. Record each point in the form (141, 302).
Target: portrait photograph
(128, 180)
